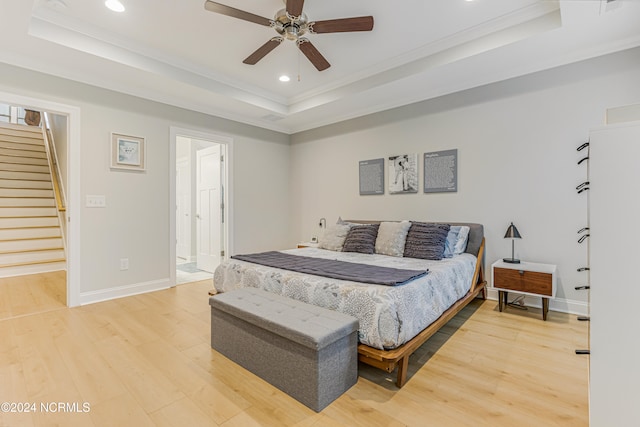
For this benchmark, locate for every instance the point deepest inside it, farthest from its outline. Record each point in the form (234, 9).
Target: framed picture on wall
(127, 152)
(403, 174)
(371, 177)
(441, 171)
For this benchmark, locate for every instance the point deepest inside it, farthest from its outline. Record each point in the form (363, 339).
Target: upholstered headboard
(476, 232)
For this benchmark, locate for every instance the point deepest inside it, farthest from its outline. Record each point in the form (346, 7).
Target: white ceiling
(176, 52)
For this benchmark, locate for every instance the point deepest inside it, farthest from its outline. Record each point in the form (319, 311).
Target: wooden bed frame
(399, 357)
(388, 360)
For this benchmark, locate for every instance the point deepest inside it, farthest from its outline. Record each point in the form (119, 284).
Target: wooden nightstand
(527, 278)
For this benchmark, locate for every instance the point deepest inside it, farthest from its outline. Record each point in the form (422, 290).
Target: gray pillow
(426, 240)
(361, 238)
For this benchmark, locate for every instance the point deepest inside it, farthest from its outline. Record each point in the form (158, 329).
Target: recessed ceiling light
(114, 5)
(284, 78)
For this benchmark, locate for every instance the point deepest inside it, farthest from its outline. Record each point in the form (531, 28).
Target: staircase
(30, 234)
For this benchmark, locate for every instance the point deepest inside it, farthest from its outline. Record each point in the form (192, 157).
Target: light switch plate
(94, 201)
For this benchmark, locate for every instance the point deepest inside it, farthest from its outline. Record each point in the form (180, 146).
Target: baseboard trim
(124, 291)
(561, 305)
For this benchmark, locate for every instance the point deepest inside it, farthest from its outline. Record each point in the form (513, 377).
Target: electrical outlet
(96, 201)
(124, 264)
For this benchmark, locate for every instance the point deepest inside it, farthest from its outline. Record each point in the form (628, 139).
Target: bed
(394, 320)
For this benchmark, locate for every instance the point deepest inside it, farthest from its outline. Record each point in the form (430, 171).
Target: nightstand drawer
(523, 281)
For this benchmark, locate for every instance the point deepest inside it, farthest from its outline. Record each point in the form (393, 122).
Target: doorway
(69, 163)
(200, 222)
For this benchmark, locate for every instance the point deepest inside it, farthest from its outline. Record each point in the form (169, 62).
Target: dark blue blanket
(334, 269)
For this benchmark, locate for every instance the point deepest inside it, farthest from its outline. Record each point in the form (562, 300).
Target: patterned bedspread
(389, 316)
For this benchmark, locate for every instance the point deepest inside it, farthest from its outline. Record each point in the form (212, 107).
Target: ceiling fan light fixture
(292, 24)
(114, 5)
(284, 78)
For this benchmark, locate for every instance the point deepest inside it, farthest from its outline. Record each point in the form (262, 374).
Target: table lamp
(512, 233)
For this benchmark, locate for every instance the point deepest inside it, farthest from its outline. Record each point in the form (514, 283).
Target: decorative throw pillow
(426, 240)
(391, 238)
(343, 222)
(456, 240)
(333, 237)
(463, 238)
(361, 238)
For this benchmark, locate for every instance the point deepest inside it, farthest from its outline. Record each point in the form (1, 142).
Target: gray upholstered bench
(306, 351)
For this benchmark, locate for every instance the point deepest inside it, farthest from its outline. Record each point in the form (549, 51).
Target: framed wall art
(441, 171)
(371, 175)
(403, 174)
(127, 152)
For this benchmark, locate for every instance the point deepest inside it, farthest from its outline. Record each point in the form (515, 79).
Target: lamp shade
(512, 233)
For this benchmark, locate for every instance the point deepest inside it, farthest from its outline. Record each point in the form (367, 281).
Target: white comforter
(389, 315)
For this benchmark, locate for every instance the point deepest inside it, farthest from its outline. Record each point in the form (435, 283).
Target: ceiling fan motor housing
(290, 27)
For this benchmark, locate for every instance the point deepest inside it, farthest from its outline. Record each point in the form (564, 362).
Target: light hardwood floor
(146, 361)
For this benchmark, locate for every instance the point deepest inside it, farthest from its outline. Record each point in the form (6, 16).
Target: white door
(183, 210)
(208, 218)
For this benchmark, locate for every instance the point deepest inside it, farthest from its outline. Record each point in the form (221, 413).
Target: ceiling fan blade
(313, 54)
(294, 7)
(212, 6)
(263, 51)
(360, 23)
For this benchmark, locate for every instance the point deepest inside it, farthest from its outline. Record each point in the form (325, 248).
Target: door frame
(226, 145)
(184, 162)
(74, 205)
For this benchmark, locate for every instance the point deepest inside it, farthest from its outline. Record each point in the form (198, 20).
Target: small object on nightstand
(307, 245)
(526, 278)
(512, 233)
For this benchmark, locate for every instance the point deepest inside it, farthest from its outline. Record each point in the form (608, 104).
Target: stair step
(14, 212)
(30, 257)
(25, 176)
(21, 139)
(20, 159)
(32, 268)
(27, 202)
(46, 221)
(18, 167)
(17, 184)
(29, 233)
(19, 146)
(21, 133)
(12, 246)
(30, 154)
(22, 128)
(26, 192)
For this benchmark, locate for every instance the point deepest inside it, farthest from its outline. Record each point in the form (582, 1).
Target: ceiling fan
(291, 23)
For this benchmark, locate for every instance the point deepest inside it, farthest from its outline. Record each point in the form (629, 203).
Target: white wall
(135, 223)
(516, 144)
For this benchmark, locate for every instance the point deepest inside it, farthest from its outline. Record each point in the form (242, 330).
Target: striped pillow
(426, 240)
(361, 238)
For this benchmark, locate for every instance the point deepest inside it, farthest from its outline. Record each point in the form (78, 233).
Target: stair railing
(53, 163)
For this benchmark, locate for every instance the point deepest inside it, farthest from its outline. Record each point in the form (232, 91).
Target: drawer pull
(521, 272)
